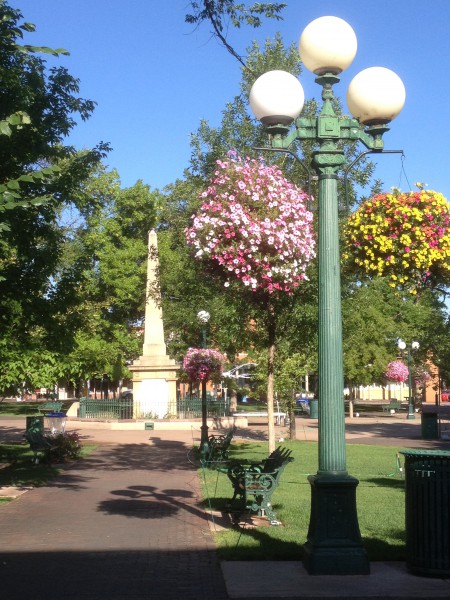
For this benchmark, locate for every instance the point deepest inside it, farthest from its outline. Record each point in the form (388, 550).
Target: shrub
(63, 446)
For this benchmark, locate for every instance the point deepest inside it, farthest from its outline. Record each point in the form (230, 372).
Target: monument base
(154, 387)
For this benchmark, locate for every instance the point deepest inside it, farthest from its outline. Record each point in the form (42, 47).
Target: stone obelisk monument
(154, 373)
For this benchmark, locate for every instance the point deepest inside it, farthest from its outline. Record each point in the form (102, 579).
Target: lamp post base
(411, 414)
(334, 545)
(204, 444)
(204, 429)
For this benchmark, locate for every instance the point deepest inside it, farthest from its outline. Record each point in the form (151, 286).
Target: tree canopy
(38, 177)
(73, 242)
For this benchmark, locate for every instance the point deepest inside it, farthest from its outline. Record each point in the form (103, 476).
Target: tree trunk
(233, 402)
(292, 425)
(351, 401)
(270, 377)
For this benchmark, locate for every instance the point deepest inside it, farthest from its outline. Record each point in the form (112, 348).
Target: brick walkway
(125, 523)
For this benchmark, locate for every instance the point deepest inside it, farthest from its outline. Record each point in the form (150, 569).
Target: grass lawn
(380, 501)
(20, 409)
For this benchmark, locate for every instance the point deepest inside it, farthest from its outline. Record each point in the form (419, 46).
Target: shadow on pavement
(111, 574)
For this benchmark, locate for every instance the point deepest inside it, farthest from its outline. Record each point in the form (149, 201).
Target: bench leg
(262, 506)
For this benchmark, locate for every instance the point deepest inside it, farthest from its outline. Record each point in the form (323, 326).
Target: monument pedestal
(154, 387)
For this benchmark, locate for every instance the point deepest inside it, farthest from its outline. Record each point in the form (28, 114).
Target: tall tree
(111, 246)
(32, 199)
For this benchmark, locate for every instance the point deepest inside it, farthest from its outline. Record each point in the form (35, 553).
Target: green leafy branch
(10, 195)
(10, 191)
(28, 49)
(16, 120)
(221, 12)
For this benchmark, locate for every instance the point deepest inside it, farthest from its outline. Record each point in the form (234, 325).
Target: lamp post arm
(328, 126)
(357, 159)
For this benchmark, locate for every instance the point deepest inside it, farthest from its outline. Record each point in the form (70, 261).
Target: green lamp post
(203, 316)
(414, 346)
(375, 96)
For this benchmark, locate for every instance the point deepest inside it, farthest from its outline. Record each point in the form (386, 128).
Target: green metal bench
(218, 447)
(50, 406)
(393, 405)
(40, 444)
(255, 484)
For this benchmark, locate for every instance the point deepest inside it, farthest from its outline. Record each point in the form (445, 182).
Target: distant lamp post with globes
(203, 316)
(414, 346)
(375, 96)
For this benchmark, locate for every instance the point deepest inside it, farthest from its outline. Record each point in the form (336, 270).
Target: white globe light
(203, 316)
(401, 344)
(277, 97)
(376, 95)
(327, 45)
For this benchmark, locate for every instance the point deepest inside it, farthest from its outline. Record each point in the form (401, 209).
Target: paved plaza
(127, 523)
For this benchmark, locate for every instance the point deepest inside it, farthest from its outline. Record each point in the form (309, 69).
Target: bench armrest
(260, 481)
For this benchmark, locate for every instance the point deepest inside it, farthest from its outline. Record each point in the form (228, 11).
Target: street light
(414, 346)
(203, 317)
(327, 47)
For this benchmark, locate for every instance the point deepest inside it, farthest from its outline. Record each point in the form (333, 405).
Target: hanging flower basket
(253, 225)
(202, 364)
(421, 376)
(397, 371)
(404, 236)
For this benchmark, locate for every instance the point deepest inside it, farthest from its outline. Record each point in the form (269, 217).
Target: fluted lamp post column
(414, 346)
(375, 96)
(203, 316)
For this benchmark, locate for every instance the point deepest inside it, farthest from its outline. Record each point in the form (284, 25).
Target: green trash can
(427, 517)
(314, 409)
(36, 424)
(429, 423)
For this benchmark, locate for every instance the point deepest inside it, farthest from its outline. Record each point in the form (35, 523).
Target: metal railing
(190, 407)
(106, 408)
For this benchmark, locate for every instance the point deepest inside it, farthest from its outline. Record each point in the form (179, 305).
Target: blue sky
(154, 77)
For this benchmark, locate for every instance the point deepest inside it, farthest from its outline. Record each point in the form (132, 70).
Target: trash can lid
(420, 452)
